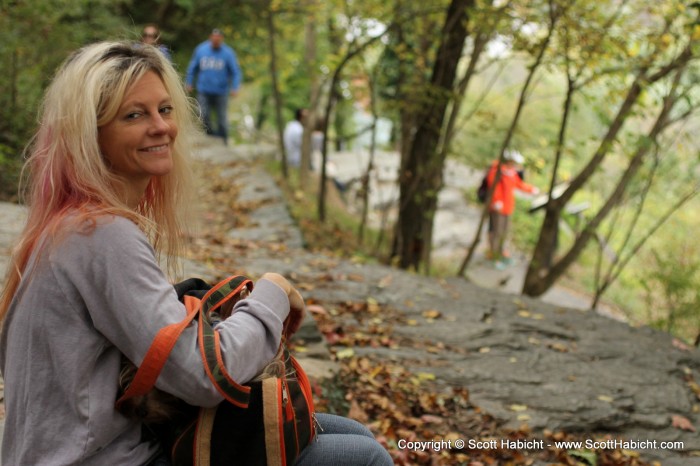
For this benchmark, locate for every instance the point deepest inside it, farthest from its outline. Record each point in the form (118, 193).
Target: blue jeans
(218, 103)
(343, 442)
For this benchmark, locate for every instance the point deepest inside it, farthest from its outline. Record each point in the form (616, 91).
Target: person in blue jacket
(215, 68)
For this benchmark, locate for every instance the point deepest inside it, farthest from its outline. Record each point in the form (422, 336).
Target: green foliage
(405, 64)
(672, 287)
(35, 36)
(10, 167)
(525, 226)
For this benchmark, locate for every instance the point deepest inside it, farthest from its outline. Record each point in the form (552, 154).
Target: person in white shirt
(292, 138)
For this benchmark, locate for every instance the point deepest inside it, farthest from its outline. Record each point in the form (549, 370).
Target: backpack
(267, 421)
(483, 189)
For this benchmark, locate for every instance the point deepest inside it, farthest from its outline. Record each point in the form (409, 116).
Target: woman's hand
(296, 303)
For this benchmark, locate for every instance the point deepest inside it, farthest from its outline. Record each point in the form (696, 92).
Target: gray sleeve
(129, 299)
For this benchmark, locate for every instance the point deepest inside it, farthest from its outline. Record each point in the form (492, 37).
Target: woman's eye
(132, 115)
(168, 109)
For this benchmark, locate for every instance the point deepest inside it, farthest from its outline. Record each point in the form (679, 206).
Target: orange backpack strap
(165, 340)
(210, 346)
(158, 353)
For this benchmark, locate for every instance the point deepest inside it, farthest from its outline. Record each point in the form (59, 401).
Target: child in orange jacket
(502, 202)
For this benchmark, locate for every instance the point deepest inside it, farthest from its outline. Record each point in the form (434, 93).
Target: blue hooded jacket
(216, 70)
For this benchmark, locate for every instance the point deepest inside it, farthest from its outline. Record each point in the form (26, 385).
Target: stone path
(562, 368)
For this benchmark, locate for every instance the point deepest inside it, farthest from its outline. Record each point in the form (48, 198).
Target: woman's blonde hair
(66, 171)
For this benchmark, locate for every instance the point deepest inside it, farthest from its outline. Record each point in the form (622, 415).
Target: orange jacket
(504, 194)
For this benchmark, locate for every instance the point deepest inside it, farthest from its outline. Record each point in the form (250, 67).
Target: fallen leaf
(385, 282)
(680, 345)
(561, 347)
(695, 388)
(586, 455)
(334, 338)
(432, 314)
(372, 305)
(606, 398)
(345, 353)
(518, 408)
(316, 309)
(431, 419)
(520, 304)
(357, 413)
(375, 372)
(682, 423)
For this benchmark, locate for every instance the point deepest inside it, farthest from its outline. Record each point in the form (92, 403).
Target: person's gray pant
(343, 442)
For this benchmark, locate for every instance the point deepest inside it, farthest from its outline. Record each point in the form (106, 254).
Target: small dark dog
(156, 406)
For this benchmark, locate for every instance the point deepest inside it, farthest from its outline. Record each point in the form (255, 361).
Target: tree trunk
(480, 41)
(421, 172)
(330, 103)
(321, 205)
(276, 92)
(310, 123)
(262, 114)
(365, 180)
(164, 11)
(549, 232)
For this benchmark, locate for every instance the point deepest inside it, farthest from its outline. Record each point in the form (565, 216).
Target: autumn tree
(311, 62)
(420, 175)
(669, 52)
(277, 96)
(361, 38)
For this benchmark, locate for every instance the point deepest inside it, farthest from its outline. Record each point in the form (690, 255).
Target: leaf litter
(396, 402)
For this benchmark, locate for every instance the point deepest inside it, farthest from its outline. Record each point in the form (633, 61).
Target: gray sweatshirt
(84, 301)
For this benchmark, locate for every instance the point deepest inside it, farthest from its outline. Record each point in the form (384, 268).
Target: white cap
(514, 155)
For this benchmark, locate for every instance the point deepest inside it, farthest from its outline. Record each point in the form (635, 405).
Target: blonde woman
(108, 172)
